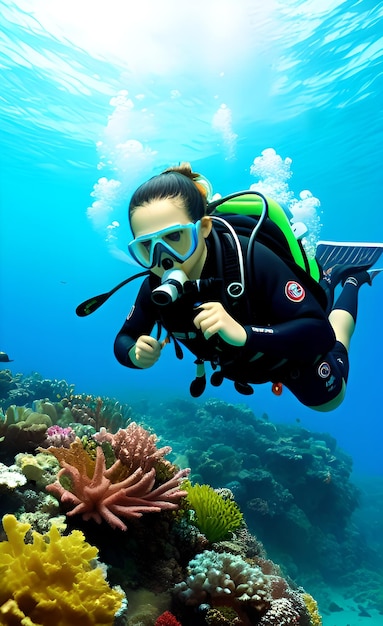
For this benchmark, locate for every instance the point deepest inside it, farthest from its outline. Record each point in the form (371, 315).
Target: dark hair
(176, 182)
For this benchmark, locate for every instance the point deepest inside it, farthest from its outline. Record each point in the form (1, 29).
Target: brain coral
(52, 581)
(224, 579)
(22, 429)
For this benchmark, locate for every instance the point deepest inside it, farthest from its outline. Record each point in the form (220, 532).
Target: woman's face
(159, 214)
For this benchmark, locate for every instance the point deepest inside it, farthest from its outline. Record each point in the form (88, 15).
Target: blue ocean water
(95, 99)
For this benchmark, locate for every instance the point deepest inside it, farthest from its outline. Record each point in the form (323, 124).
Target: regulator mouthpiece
(171, 288)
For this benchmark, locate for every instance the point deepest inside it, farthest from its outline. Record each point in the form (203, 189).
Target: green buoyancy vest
(252, 205)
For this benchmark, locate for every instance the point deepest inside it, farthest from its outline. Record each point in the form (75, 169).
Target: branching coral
(101, 496)
(96, 411)
(134, 446)
(53, 581)
(215, 516)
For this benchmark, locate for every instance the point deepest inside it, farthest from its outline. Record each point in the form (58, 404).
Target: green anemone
(215, 516)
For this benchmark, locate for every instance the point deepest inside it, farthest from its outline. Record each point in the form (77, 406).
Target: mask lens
(143, 251)
(179, 241)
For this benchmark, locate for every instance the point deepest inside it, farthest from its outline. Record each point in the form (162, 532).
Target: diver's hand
(145, 352)
(212, 319)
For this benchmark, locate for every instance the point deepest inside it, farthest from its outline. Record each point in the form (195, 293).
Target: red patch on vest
(294, 291)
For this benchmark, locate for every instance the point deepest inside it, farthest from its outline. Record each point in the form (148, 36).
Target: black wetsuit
(289, 338)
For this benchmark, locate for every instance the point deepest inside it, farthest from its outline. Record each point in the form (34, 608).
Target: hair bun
(204, 187)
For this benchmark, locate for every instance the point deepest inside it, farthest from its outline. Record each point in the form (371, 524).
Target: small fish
(4, 358)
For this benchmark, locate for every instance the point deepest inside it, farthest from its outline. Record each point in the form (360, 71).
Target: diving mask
(179, 241)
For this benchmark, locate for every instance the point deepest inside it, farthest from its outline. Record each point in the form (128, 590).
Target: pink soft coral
(99, 498)
(134, 446)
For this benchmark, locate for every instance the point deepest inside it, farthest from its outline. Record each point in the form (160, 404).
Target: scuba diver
(238, 291)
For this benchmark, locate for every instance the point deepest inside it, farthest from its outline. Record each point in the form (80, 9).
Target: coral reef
(217, 580)
(19, 389)
(7, 383)
(99, 493)
(21, 430)
(97, 412)
(292, 487)
(53, 581)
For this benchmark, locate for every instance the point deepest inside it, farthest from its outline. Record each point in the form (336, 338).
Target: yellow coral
(75, 455)
(312, 607)
(52, 581)
(30, 466)
(37, 467)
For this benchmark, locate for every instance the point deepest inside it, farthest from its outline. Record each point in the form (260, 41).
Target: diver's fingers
(147, 350)
(205, 312)
(210, 314)
(213, 319)
(210, 329)
(148, 343)
(208, 323)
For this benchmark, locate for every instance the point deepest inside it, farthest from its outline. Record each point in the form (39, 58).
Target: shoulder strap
(266, 219)
(230, 257)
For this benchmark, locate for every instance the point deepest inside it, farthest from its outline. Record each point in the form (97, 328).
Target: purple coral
(59, 437)
(99, 498)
